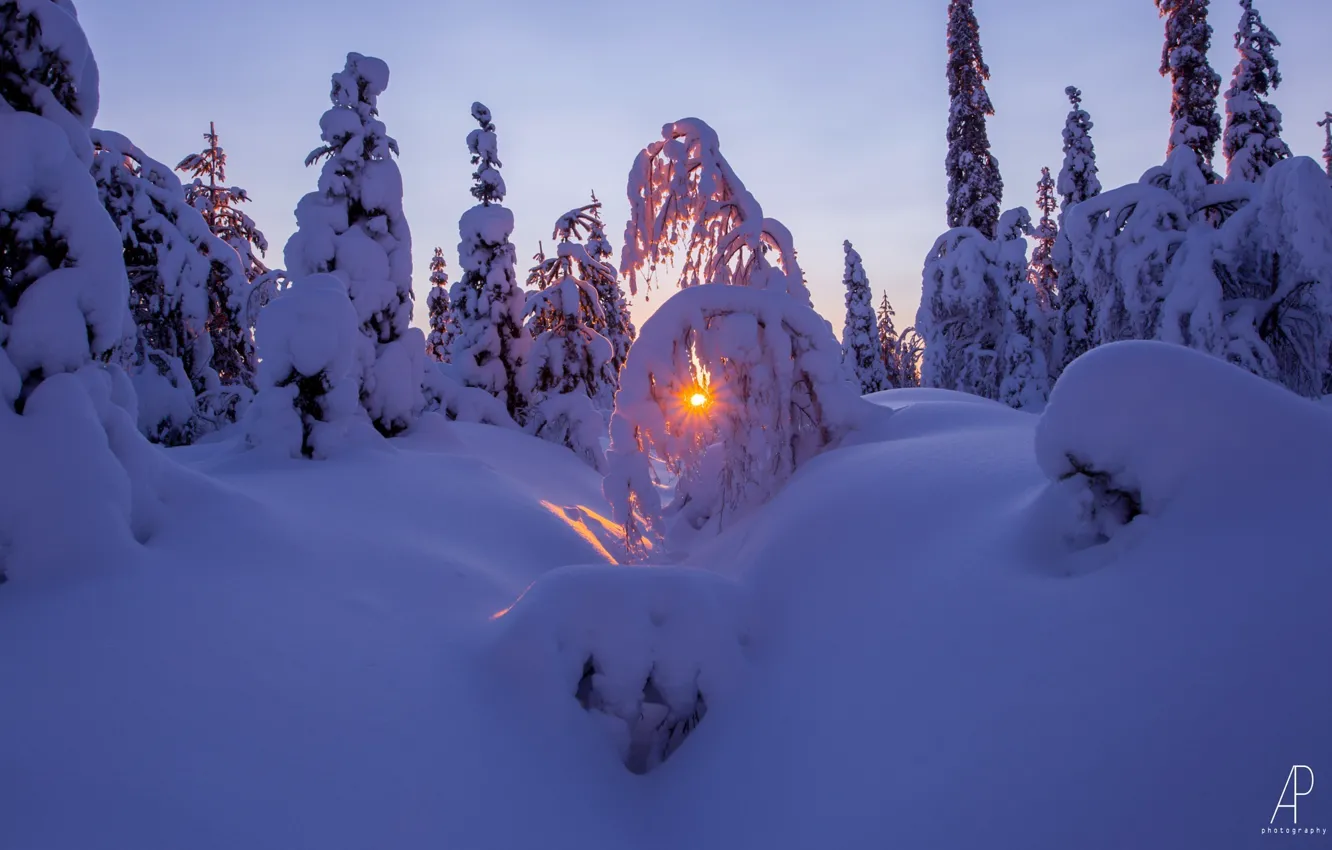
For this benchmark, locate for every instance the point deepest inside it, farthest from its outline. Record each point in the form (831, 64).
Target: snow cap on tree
(1078, 179)
(961, 315)
(484, 146)
(860, 332)
(975, 188)
(353, 226)
(1252, 142)
(1195, 86)
(47, 67)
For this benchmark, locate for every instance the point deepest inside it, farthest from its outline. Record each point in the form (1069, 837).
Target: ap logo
(1292, 788)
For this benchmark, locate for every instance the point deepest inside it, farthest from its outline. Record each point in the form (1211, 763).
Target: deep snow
(903, 648)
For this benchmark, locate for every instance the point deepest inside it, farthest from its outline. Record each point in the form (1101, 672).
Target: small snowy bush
(313, 356)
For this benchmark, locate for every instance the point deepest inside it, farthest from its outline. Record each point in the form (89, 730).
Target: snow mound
(647, 650)
(1132, 426)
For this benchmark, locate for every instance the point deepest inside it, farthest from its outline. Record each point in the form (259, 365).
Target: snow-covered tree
(730, 387)
(353, 227)
(441, 309)
(220, 203)
(491, 344)
(1257, 290)
(1024, 372)
(1042, 272)
(961, 315)
(1078, 178)
(314, 355)
(889, 343)
(63, 287)
(683, 192)
(860, 332)
(1193, 118)
(1326, 124)
(620, 328)
(569, 368)
(975, 188)
(171, 256)
(1252, 142)
(910, 353)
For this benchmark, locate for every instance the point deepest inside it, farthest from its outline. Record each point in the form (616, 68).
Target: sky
(833, 113)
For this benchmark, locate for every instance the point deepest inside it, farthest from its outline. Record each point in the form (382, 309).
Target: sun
(698, 400)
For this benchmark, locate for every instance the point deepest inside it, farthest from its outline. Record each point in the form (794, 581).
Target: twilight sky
(832, 112)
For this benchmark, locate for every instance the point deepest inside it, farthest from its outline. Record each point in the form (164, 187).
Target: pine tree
(171, 257)
(569, 369)
(1194, 120)
(63, 287)
(1252, 142)
(1326, 124)
(353, 227)
(219, 204)
(441, 309)
(1042, 273)
(492, 343)
(910, 352)
(889, 343)
(620, 328)
(860, 332)
(1078, 179)
(975, 188)
(1024, 373)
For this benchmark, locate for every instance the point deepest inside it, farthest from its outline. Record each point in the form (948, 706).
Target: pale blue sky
(832, 112)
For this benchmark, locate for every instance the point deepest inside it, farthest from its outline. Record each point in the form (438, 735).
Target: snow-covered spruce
(687, 206)
(171, 257)
(48, 69)
(619, 328)
(910, 355)
(491, 344)
(1024, 372)
(314, 353)
(1258, 290)
(440, 309)
(975, 189)
(569, 369)
(889, 343)
(861, 342)
(353, 227)
(1252, 141)
(961, 315)
(1326, 124)
(776, 394)
(1078, 178)
(1042, 272)
(1195, 85)
(64, 295)
(219, 204)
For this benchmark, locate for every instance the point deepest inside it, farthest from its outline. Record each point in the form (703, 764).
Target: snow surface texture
(874, 658)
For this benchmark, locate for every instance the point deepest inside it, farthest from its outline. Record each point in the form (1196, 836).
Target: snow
(873, 658)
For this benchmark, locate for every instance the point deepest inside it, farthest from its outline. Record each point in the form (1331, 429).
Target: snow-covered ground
(921, 641)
